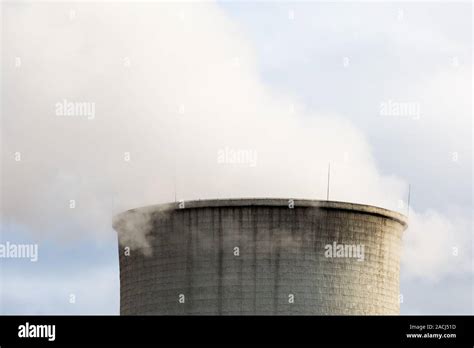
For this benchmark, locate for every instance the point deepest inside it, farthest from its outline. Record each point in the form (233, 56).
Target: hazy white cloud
(170, 92)
(436, 246)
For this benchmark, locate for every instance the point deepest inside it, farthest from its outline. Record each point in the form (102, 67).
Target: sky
(298, 84)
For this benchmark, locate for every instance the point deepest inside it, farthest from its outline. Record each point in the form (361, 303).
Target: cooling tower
(259, 256)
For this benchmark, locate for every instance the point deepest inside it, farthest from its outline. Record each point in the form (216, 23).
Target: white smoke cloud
(436, 246)
(172, 85)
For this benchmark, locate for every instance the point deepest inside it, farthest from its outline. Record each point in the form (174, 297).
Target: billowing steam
(108, 108)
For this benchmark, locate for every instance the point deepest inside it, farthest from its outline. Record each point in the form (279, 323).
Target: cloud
(172, 85)
(436, 246)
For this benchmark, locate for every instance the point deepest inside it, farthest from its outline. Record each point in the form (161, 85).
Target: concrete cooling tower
(259, 256)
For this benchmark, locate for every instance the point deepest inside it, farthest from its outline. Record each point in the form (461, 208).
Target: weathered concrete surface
(281, 254)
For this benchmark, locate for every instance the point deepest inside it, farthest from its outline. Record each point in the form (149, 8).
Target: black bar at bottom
(292, 330)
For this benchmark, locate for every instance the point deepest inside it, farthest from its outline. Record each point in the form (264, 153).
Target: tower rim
(265, 202)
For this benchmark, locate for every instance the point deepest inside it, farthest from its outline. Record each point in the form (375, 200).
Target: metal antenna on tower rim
(174, 181)
(408, 200)
(329, 178)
